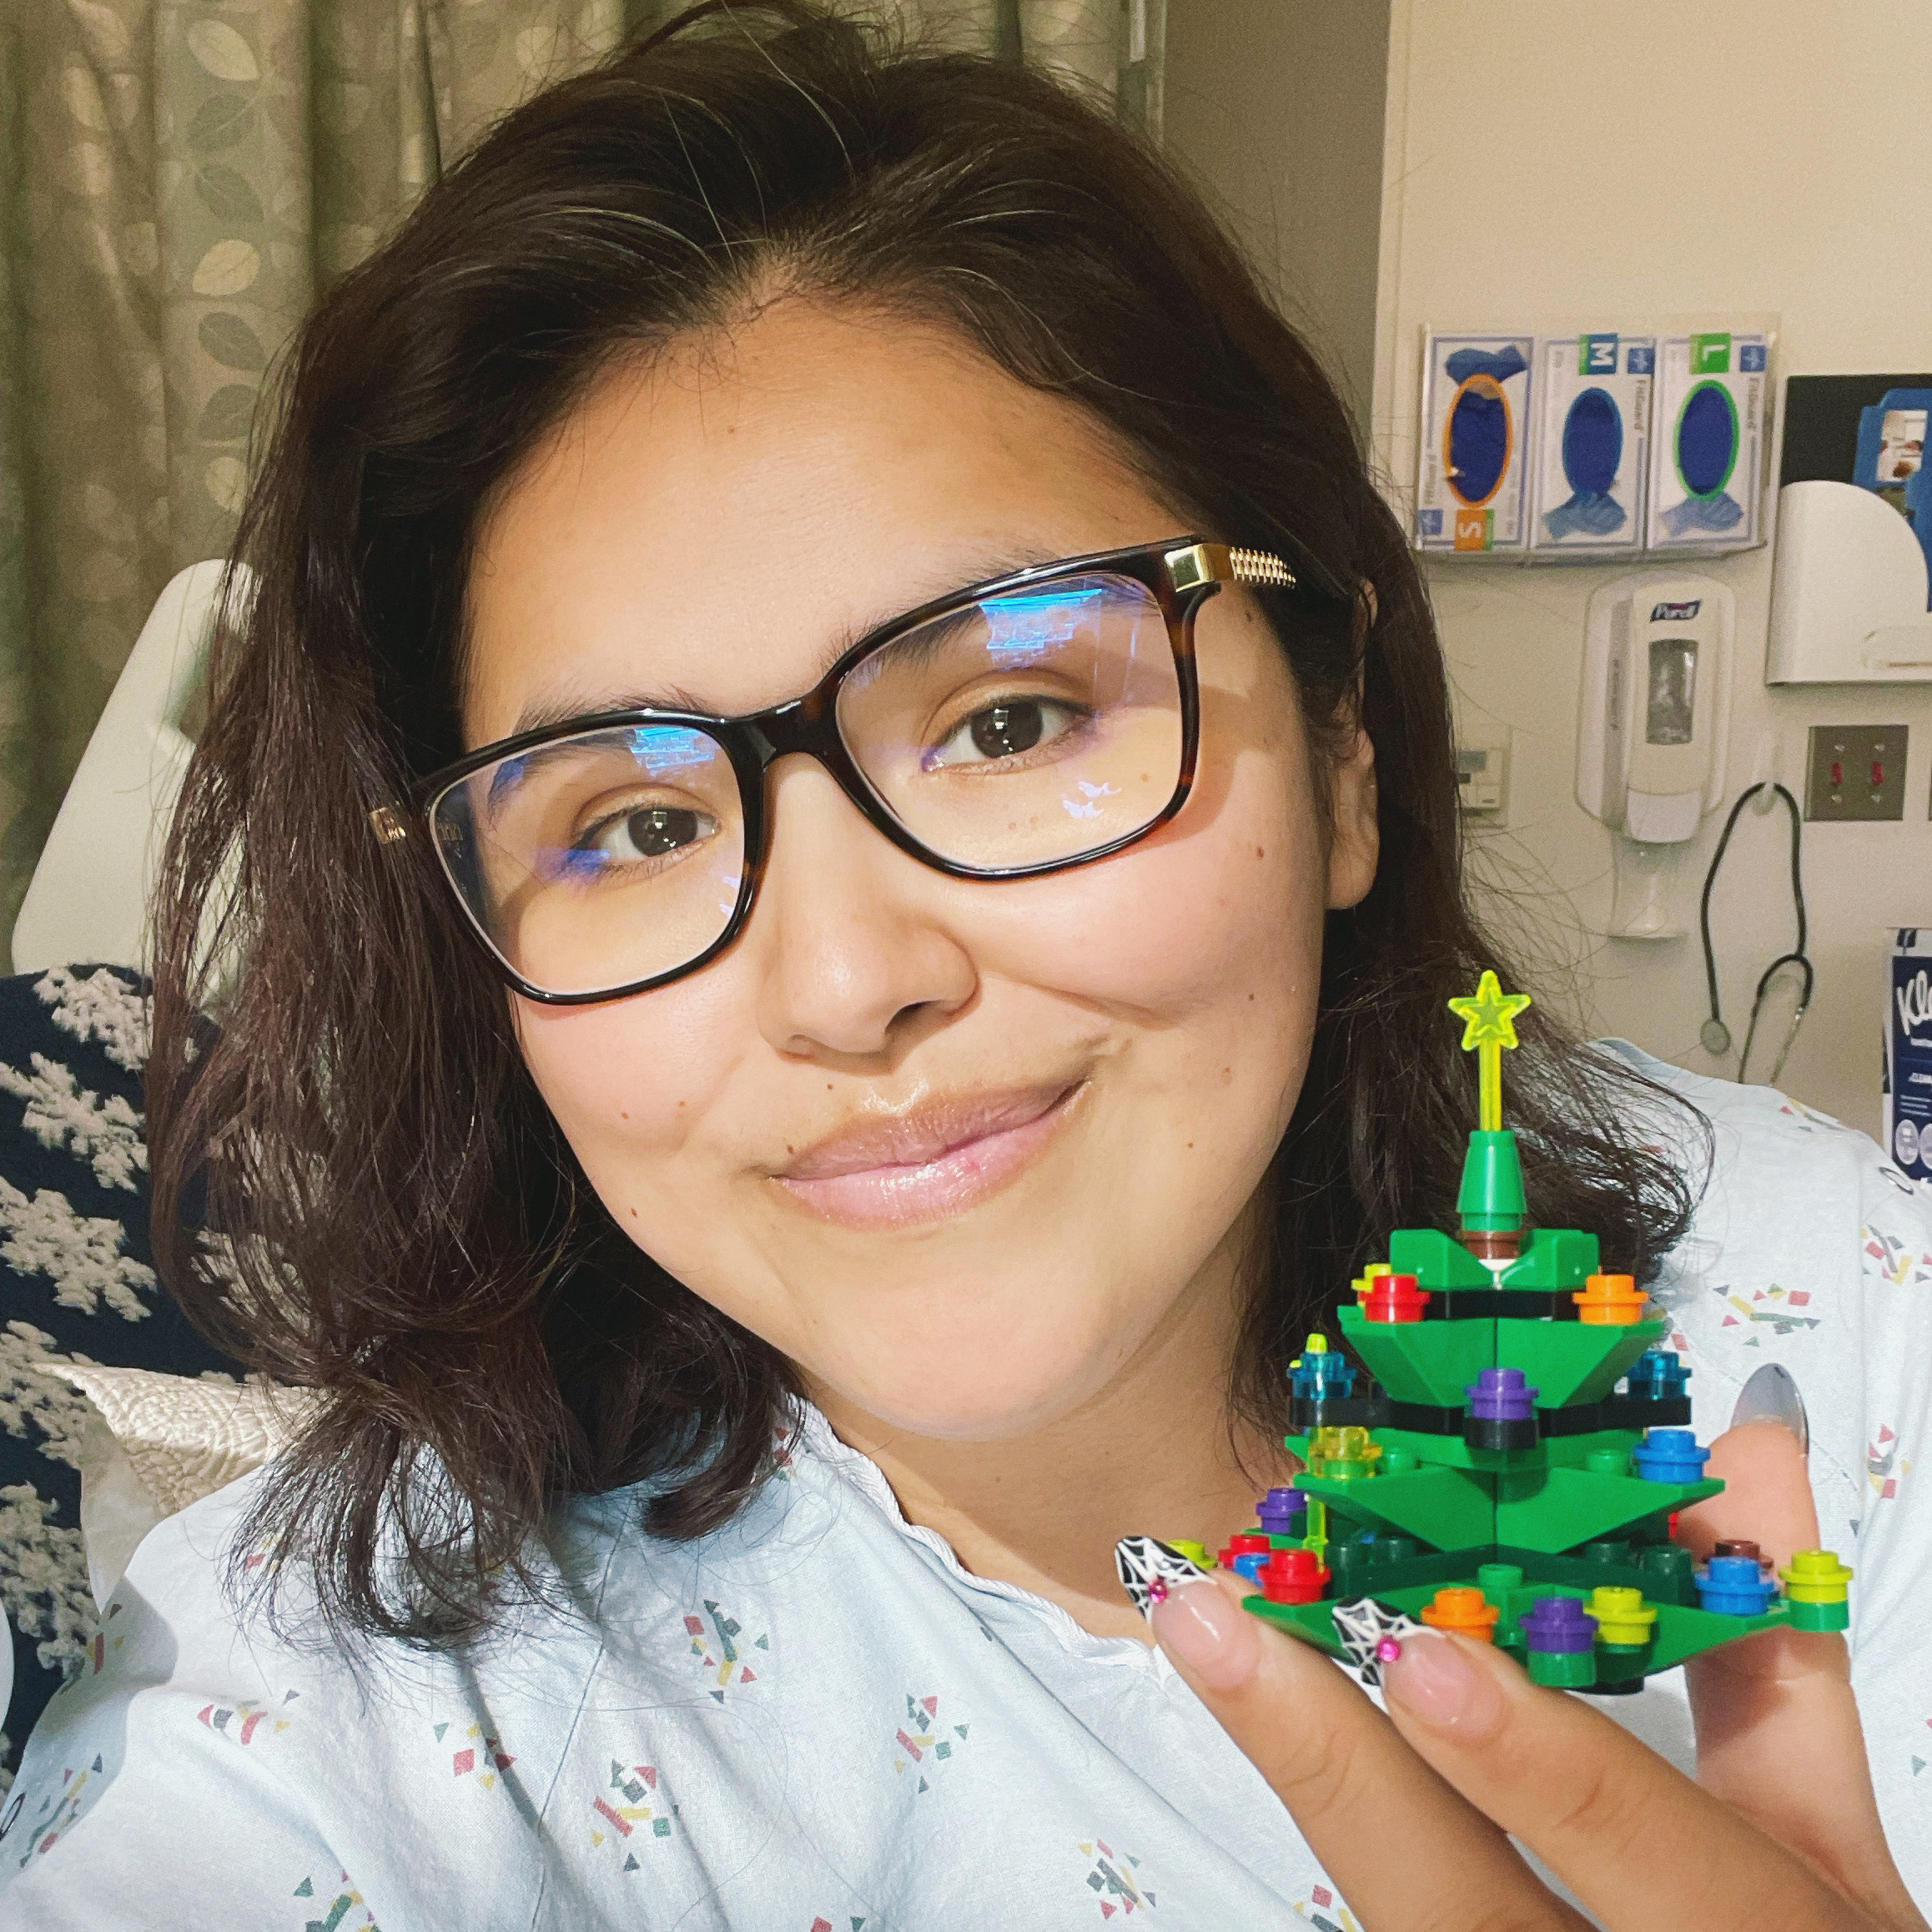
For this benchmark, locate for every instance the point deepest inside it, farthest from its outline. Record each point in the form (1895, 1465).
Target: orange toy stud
(1464, 1610)
(1610, 1298)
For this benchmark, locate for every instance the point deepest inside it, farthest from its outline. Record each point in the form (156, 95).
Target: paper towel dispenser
(1848, 591)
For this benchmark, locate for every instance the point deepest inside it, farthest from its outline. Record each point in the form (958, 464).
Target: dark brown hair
(399, 1221)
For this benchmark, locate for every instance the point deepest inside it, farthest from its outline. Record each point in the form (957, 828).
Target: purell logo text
(1915, 998)
(1676, 613)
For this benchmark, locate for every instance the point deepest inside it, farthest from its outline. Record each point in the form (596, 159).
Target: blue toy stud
(1671, 1456)
(1320, 1374)
(1658, 1375)
(1735, 1587)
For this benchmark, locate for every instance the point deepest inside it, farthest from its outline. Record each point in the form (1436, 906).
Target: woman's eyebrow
(561, 706)
(962, 567)
(953, 572)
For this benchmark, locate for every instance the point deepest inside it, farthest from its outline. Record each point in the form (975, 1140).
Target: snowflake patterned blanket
(75, 1285)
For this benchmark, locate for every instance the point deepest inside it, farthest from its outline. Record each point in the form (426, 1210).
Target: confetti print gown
(814, 1721)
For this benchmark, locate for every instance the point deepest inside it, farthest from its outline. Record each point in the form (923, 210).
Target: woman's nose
(855, 961)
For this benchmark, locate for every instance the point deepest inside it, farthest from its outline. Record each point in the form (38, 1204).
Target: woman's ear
(1356, 841)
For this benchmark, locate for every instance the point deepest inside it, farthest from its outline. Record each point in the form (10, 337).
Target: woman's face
(959, 1149)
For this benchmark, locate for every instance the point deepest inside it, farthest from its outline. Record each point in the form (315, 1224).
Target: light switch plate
(1855, 771)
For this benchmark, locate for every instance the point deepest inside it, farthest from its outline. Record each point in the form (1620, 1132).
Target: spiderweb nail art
(1364, 1626)
(1149, 1569)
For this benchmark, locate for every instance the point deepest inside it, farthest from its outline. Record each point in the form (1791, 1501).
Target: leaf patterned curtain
(178, 178)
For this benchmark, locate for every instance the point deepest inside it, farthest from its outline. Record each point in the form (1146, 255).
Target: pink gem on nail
(1157, 1590)
(1388, 1650)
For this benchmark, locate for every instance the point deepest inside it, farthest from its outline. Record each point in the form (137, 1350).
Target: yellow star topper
(1489, 1026)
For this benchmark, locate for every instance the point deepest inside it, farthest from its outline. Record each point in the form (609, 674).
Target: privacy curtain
(178, 179)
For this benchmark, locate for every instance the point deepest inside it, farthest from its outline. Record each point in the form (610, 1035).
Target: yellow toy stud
(1817, 1589)
(1343, 1454)
(1624, 1621)
(1489, 1026)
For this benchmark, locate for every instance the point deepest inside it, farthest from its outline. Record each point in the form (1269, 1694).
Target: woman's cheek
(632, 1080)
(1203, 918)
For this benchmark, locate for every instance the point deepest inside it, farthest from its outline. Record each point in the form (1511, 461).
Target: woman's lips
(933, 1162)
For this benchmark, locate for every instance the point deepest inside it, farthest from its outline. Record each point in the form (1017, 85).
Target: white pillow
(156, 1443)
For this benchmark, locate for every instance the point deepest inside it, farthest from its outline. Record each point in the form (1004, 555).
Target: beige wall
(1276, 108)
(1543, 163)
(1729, 156)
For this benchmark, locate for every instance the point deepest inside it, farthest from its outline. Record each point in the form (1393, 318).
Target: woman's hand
(1779, 1738)
(1408, 1812)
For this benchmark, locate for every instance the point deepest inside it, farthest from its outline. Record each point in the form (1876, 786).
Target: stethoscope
(1715, 1034)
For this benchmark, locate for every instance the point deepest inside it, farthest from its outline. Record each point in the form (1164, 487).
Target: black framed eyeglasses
(1041, 720)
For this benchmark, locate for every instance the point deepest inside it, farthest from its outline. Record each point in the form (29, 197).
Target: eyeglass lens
(1024, 730)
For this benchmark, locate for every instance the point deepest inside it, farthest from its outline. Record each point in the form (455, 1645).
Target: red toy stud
(1294, 1576)
(1394, 1298)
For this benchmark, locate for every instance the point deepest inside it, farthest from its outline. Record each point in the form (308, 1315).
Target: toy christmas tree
(1514, 1469)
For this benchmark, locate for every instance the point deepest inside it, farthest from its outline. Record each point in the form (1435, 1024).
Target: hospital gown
(814, 1720)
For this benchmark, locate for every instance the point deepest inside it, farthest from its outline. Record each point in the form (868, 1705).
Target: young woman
(831, 830)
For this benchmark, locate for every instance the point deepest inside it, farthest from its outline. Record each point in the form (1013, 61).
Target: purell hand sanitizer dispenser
(1650, 734)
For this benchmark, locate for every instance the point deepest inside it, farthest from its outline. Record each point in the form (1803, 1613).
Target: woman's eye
(1006, 730)
(649, 832)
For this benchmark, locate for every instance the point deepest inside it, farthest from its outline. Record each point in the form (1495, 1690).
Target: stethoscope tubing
(1715, 1034)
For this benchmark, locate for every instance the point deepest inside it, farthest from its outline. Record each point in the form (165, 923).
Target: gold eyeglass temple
(1204, 563)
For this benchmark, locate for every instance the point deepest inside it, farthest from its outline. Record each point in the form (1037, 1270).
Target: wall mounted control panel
(1482, 776)
(1855, 771)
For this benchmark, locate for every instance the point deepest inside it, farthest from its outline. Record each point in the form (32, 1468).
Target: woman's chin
(996, 1397)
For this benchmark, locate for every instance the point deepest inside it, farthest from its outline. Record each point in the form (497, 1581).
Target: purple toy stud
(1278, 1511)
(1561, 1636)
(1498, 1395)
(1558, 1625)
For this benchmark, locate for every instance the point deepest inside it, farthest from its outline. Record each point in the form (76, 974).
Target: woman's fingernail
(1771, 1395)
(1201, 1626)
(1436, 1682)
(1371, 1633)
(1149, 1569)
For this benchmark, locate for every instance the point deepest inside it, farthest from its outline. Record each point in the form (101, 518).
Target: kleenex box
(1909, 1054)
